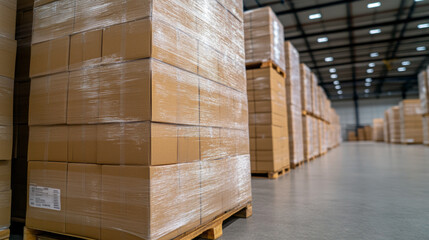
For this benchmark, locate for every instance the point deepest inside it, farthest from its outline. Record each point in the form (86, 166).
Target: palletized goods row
(141, 124)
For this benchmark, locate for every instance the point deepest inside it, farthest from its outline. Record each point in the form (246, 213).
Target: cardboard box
(50, 57)
(7, 57)
(48, 143)
(306, 92)
(84, 196)
(47, 196)
(85, 49)
(149, 200)
(5, 175)
(7, 19)
(48, 99)
(82, 144)
(5, 209)
(6, 101)
(6, 142)
(293, 75)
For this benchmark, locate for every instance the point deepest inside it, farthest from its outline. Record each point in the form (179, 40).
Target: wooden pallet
(305, 113)
(270, 175)
(411, 143)
(269, 64)
(296, 165)
(210, 230)
(4, 234)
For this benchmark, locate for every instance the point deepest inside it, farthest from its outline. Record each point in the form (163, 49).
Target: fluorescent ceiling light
(374, 54)
(338, 87)
(418, 0)
(329, 59)
(423, 25)
(422, 48)
(367, 84)
(375, 31)
(340, 92)
(315, 16)
(406, 63)
(368, 80)
(371, 65)
(334, 76)
(322, 39)
(336, 82)
(374, 5)
(402, 69)
(370, 70)
(332, 70)
(366, 90)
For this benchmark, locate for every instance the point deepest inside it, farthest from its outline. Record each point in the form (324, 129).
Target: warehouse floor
(357, 191)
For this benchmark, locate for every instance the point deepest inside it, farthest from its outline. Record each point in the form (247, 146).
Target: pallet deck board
(271, 175)
(4, 234)
(267, 64)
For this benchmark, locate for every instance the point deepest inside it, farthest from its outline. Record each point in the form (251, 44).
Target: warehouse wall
(368, 110)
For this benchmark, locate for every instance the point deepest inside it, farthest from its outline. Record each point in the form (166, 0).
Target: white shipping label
(44, 197)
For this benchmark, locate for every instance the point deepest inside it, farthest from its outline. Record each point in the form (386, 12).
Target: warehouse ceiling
(377, 47)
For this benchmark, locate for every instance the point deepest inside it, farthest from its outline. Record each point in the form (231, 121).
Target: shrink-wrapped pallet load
(411, 121)
(7, 75)
(423, 79)
(386, 127)
(378, 129)
(138, 117)
(264, 36)
(294, 107)
(268, 127)
(394, 117)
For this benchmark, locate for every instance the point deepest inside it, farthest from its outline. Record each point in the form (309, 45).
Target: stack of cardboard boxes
(7, 74)
(386, 127)
(394, 117)
(378, 129)
(411, 121)
(294, 107)
(424, 98)
(307, 107)
(351, 136)
(138, 117)
(268, 125)
(264, 38)
(368, 133)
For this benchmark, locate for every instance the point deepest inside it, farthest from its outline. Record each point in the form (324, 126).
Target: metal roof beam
(318, 6)
(354, 28)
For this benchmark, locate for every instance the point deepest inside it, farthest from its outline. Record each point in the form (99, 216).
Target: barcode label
(44, 197)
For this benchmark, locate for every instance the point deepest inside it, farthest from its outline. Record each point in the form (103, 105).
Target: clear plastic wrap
(268, 125)
(423, 79)
(378, 129)
(315, 138)
(411, 121)
(307, 126)
(138, 116)
(306, 93)
(293, 75)
(7, 18)
(264, 36)
(394, 124)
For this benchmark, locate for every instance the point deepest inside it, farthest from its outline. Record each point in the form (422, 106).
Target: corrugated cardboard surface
(411, 121)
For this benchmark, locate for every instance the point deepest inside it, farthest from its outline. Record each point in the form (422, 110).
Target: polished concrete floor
(361, 190)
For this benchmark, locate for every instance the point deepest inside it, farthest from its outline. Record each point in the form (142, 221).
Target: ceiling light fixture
(423, 25)
(418, 0)
(370, 70)
(329, 59)
(402, 69)
(367, 84)
(368, 80)
(334, 76)
(374, 54)
(406, 63)
(336, 82)
(374, 5)
(340, 92)
(367, 91)
(371, 65)
(315, 16)
(332, 70)
(338, 87)
(375, 31)
(422, 48)
(322, 39)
